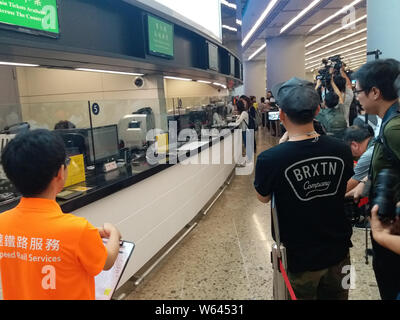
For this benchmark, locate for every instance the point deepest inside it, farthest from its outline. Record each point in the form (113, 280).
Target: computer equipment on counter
(4, 140)
(132, 130)
(104, 146)
(17, 128)
(150, 119)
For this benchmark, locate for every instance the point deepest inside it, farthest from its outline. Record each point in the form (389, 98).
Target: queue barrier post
(281, 284)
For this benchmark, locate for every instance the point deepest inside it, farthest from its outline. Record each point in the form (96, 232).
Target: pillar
(254, 78)
(155, 83)
(285, 59)
(383, 28)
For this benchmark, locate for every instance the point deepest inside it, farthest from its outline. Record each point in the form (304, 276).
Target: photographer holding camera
(376, 92)
(333, 78)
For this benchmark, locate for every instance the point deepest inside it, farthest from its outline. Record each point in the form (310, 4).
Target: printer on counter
(133, 128)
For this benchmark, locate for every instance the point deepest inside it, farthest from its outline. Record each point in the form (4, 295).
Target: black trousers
(386, 265)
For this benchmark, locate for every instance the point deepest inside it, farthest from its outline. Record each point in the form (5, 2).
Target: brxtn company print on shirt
(315, 177)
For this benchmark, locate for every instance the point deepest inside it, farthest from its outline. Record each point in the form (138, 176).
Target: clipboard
(106, 282)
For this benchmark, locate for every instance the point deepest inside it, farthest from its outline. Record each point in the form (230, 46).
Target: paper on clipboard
(106, 281)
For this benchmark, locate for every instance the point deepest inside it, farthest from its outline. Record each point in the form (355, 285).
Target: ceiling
(286, 10)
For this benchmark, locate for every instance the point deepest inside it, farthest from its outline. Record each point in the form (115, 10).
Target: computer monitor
(106, 144)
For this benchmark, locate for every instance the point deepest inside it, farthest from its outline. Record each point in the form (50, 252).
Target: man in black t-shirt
(308, 177)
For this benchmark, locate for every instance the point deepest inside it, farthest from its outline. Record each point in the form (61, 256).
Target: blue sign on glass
(95, 109)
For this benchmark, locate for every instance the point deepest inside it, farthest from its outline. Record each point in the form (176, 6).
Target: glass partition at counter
(200, 112)
(54, 116)
(11, 123)
(108, 140)
(122, 128)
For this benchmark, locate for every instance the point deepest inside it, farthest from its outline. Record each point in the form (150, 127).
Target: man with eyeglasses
(44, 253)
(376, 92)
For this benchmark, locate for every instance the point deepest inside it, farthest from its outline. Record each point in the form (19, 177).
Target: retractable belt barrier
(281, 283)
(286, 279)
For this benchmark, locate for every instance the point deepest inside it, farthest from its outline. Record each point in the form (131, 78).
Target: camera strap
(387, 151)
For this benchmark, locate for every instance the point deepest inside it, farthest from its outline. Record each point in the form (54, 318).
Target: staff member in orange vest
(44, 253)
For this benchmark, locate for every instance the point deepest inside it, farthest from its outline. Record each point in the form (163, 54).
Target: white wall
(178, 88)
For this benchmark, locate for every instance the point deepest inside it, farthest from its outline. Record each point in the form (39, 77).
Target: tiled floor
(227, 256)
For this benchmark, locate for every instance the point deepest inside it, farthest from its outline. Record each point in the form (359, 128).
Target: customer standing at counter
(243, 123)
(44, 253)
(251, 110)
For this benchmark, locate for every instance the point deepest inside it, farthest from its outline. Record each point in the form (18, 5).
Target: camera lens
(385, 193)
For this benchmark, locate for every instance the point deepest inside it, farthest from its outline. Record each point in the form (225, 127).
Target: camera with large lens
(325, 74)
(336, 63)
(385, 194)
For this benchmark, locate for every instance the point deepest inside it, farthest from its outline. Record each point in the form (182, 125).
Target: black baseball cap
(296, 96)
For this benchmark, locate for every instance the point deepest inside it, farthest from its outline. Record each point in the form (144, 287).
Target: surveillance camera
(139, 82)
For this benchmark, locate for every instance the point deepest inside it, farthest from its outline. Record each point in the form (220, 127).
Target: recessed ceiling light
(336, 41)
(228, 4)
(301, 14)
(177, 78)
(359, 53)
(229, 28)
(108, 71)
(342, 53)
(356, 66)
(338, 48)
(314, 65)
(220, 85)
(17, 64)
(343, 10)
(239, 22)
(259, 21)
(336, 31)
(356, 53)
(352, 61)
(257, 51)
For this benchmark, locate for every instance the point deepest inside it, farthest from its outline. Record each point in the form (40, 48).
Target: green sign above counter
(32, 16)
(160, 37)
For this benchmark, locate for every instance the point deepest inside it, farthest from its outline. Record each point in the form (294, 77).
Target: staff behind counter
(44, 253)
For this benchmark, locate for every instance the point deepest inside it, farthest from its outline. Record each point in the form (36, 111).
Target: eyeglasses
(356, 92)
(67, 161)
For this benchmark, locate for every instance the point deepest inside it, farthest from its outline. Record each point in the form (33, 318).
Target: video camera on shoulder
(325, 75)
(387, 194)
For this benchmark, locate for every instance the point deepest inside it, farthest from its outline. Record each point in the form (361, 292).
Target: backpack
(387, 151)
(335, 123)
